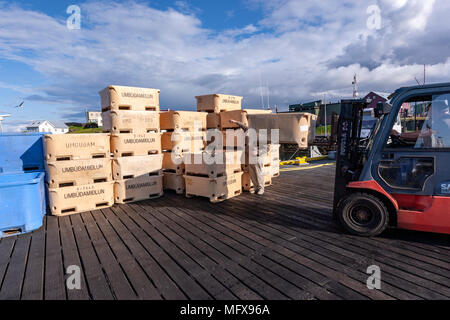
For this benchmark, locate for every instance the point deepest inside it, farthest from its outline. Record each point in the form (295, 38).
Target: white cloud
(300, 49)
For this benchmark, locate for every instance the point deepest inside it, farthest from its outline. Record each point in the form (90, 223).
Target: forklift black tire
(363, 214)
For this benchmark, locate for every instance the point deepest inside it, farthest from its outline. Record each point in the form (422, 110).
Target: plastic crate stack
(220, 177)
(216, 175)
(229, 128)
(79, 175)
(183, 132)
(22, 183)
(131, 116)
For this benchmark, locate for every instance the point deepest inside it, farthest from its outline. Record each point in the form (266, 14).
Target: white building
(54, 127)
(94, 117)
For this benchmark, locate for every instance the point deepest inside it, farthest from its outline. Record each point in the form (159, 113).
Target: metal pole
(325, 107)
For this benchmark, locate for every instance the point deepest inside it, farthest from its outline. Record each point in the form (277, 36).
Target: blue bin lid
(21, 152)
(20, 179)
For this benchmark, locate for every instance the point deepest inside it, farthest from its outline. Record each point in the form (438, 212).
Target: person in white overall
(255, 167)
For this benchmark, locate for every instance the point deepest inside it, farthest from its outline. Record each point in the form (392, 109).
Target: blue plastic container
(22, 202)
(21, 152)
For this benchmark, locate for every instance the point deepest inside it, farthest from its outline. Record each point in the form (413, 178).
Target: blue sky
(288, 51)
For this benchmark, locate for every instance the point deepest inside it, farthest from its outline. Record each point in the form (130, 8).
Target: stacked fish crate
(215, 105)
(183, 132)
(79, 175)
(220, 177)
(131, 116)
(215, 175)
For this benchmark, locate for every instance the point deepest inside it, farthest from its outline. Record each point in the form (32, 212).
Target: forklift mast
(350, 156)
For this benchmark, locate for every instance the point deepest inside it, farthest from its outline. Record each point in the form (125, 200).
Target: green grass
(78, 129)
(320, 131)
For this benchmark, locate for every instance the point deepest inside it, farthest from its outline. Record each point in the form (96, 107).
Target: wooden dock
(283, 245)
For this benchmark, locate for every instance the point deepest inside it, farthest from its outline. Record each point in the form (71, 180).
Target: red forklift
(395, 179)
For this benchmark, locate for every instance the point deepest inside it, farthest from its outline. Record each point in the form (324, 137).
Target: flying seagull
(20, 105)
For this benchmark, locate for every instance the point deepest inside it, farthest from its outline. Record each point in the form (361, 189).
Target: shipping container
(129, 98)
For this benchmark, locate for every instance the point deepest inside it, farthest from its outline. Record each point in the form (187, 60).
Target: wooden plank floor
(283, 245)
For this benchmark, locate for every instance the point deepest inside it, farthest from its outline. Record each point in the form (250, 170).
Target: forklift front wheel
(363, 214)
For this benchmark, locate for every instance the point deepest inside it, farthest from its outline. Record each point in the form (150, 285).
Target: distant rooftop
(56, 123)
